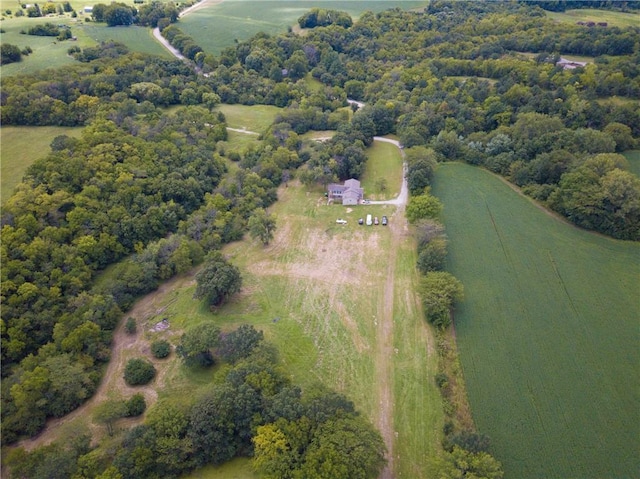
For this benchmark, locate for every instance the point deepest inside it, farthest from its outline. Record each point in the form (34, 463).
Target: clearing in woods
(337, 300)
(548, 331)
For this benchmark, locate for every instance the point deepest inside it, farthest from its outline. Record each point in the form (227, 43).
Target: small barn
(348, 194)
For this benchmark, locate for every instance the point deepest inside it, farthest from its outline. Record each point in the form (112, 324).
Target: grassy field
(20, 146)
(254, 118)
(384, 162)
(50, 53)
(634, 160)
(216, 27)
(548, 332)
(617, 19)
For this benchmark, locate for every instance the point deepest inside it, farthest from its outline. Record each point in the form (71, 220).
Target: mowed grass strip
(20, 146)
(548, 331)
(218, 26)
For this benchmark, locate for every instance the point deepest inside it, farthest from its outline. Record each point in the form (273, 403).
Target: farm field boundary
(547, 334)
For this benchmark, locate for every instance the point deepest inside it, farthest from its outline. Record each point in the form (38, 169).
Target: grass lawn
(384, 163)
(617, 19)
(634, 161)
(548, 331)
(20, 146)
(217, 26)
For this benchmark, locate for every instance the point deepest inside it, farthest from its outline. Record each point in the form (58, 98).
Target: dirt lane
(385, 346)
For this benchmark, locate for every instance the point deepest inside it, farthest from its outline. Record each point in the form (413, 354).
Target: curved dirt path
(123, 347)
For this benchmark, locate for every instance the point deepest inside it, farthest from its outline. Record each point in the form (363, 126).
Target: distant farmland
(218, 26)
(548, 332)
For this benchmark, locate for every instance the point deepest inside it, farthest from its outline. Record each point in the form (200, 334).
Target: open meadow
(218, 26)
(548, 331)
(20, 146)
(613, 18)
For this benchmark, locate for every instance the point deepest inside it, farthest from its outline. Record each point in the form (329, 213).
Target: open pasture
(218, 26)
(137, 39)
(48, 52)
(613, 18)
(20, 146)
(548, 332)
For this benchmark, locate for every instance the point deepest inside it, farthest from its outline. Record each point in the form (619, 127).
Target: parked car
(375, 221)
(369, 220)
(360, 221)
(385, 221)
(365, 202)
(340, 221)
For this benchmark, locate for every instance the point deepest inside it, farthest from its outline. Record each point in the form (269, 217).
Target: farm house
(349, 194)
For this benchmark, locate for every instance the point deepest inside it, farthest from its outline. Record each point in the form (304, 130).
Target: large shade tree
(218, 280)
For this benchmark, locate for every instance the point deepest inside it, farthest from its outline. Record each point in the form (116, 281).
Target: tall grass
(548, 331)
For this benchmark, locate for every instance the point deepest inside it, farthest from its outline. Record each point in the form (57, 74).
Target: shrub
(130, 327)
(138, 372)
(9, 54)
(160, 349)
(136, 405)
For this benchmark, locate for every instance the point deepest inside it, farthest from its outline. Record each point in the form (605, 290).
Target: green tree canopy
(439, 291)
(197, 343)
(217, 280)
(262, 225)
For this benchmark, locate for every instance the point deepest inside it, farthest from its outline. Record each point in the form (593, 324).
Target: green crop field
(617, 19)
(548, 331)
(20, 146)
(217, 26)
(634, 161)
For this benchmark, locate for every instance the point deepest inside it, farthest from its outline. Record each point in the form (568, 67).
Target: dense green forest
(476, 82)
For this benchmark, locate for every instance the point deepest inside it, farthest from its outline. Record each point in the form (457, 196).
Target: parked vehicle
(360, 221)
(365, 202)
(375, 221)
(340, 221)
(385, 221)
(369, 222)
